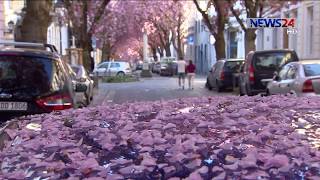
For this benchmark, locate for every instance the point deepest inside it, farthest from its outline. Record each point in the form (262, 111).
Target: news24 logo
(288, 23)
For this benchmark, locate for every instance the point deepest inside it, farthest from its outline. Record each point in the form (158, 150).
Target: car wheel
(120, 73)
(208, 84)
(267, 92)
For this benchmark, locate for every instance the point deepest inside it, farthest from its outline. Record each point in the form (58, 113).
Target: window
(115, 65)
(104, 65)
(196, 28)
(27, 74)
(310, 30)
(294, 39)
(311, 69)
(272, 61)
(232, 66)
(274, 38)
(283, 72)
(292, 72)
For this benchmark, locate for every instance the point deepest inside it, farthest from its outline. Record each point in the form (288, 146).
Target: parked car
(260, 65)
(168, 68)
(33, 81)
(156, 67)
(116, 68)
(221, 74)
(139, 66)
(82, 77)
(298, 78)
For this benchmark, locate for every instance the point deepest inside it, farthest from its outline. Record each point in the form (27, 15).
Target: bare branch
(237, 16)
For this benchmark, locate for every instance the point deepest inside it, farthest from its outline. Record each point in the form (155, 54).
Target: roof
(28, 52)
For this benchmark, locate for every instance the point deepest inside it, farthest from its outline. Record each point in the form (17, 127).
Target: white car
(299, 78)
(116, 68)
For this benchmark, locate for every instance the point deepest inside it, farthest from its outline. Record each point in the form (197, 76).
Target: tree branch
(99, 13)
(205, 17)
(237, 16)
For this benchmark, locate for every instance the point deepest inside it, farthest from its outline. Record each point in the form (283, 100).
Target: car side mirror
(81, 87)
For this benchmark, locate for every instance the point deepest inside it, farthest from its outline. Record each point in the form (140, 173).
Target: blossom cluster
(228, 137)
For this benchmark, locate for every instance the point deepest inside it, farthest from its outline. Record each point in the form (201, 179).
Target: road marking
(109, 97)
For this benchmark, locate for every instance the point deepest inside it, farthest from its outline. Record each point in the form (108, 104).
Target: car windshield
(232, 66)
(311, 69)
(272, 61)
(22, 73)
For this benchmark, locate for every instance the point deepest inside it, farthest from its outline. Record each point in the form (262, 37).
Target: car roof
(28, 52)
(274, 51)
(311, 61)
(234, 59)
(114, 62)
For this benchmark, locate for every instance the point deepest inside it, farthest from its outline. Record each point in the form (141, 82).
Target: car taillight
(251, 73)
(222, 75)
(55, 102)
(307, 86)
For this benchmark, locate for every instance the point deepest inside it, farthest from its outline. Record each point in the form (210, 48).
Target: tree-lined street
(92, 89)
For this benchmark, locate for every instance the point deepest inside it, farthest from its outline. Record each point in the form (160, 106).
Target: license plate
(13, 106)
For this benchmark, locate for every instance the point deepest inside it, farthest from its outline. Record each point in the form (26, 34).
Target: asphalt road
(150, 89)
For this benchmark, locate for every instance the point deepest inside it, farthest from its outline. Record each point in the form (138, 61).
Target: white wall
(53, 37)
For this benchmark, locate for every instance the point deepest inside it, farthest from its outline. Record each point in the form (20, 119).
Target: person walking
(181, 72)
(191, 68)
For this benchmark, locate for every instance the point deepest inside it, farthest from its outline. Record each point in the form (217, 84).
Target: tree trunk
(160, 51)
(250, 37)
(154, 53)
(168, 50)
(35, 22)
(106, 51)
(219, 46)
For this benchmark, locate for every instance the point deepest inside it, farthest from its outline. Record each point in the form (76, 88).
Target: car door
(102, 69)
(278, 86)
(114, 68)
(291, 79)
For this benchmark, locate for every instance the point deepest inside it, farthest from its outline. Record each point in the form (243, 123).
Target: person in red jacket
(190, 69)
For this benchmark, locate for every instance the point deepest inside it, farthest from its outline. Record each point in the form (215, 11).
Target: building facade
(200, 43)
(198, 47)
(12, 11)
(307, 40)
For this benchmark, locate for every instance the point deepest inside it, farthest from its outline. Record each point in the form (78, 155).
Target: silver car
(299, 78)
(116, 68)
(83, 77)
